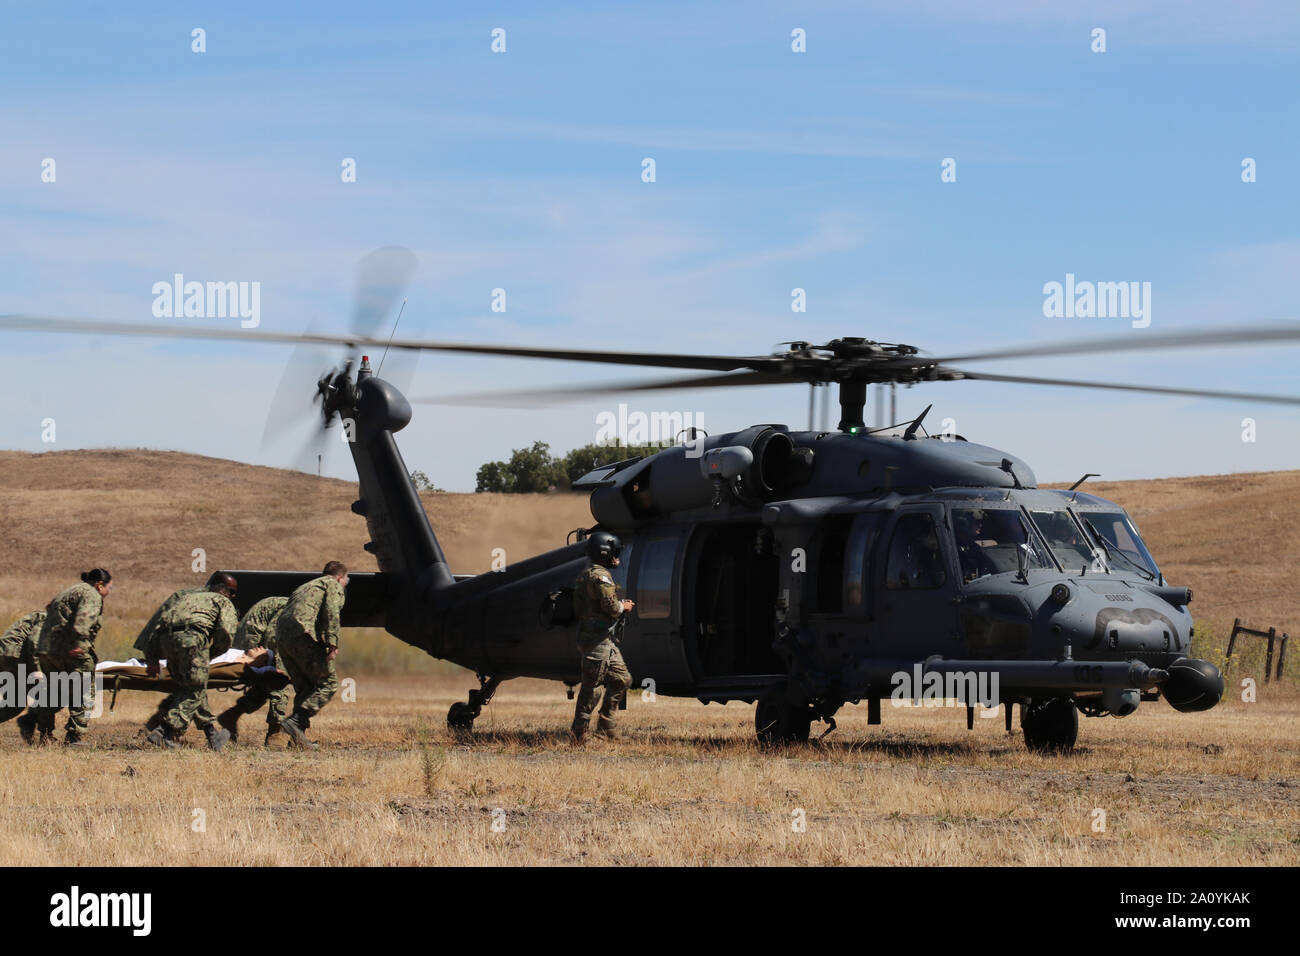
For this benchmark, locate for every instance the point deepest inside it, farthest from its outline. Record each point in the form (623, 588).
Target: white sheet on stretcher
(230, 657)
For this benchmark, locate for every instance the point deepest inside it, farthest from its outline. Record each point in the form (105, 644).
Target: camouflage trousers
(186, 654)
(61, 670)
(252, 700)
(314, 678)
(602, 665)
(8, 711)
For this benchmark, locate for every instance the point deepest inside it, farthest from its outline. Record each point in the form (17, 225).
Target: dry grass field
(686, 785)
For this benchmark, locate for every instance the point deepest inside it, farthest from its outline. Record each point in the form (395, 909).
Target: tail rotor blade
(382, 278)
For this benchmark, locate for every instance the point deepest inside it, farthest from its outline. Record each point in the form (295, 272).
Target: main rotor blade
(1147, 341)
(1152, 389)
(523, 398)
(717, 363)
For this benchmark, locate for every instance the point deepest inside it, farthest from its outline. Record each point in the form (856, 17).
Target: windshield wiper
(1101, 539)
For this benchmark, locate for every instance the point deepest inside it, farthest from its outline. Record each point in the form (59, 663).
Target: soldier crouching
(598, 608)
(187, 630)
(307, 641)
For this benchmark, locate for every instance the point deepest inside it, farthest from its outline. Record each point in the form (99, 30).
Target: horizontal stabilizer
(365, 605)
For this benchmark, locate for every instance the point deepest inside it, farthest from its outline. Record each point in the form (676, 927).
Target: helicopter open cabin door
(916, 584)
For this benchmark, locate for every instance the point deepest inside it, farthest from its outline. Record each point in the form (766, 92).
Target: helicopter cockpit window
(989, 541)
(915, 561)
(1123, 544)
(1067, 542)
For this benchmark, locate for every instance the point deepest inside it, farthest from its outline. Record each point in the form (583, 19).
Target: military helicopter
(801, 570)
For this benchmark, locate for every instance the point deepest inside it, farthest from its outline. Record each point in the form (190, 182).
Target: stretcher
(233, 670)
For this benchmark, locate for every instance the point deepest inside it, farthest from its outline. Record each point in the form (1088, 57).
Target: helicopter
(797, 570)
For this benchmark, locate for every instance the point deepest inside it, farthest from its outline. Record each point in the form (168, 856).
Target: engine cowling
(752, 467)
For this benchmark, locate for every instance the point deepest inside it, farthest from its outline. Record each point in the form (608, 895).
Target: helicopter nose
(1135, 630)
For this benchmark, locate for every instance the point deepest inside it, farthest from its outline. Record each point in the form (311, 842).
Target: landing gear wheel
(1050, 725)
(778, 721)
(460, 717)
(463, 713)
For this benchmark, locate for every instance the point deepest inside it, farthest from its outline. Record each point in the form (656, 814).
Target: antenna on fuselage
(911, 429)
(390, 337)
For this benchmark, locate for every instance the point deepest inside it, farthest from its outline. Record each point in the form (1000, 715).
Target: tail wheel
(460, 716)
(778, 721)
(1050, 725)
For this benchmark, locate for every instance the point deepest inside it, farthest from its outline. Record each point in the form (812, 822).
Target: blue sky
(775, 170)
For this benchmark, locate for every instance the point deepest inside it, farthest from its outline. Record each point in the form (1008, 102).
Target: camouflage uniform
(598, 607)
(190, 626)
(18, 647)
(72, 621)
(305, 632)
(257, 630)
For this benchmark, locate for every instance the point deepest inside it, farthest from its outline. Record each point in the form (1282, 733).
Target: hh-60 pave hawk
(800, 569)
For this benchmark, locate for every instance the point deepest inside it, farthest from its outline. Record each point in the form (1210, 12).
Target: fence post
(1281, 654)
(1268, 661)
(1232, 641)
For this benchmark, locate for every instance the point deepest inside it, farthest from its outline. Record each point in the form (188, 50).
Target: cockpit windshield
(1071, 546)
(1120, 538)
(988, 542)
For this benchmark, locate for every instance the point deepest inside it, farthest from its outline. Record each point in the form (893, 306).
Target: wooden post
(1232, 641)
(1268, 662)
(1281, 654)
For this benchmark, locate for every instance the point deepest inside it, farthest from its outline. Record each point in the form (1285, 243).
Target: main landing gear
(461, 716)
(1051, 724)
(780, 720)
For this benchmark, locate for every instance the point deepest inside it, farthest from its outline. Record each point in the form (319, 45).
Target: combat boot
(27, 727)
(607, 730)
(272, 731)
(162, 737)
(218, 737)
(229, 719)
(73, 739)
(578, 734)
(295, 726)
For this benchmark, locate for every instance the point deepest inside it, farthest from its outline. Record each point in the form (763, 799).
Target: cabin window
(1070, 545)
(855, 564)
(654, 578)
(1123, 545)
(991, 541)
(915, 561)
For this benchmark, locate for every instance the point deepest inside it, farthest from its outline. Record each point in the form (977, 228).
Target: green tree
(535, 469)
(529, 469)
(582, 460)
(491, 477)
(422, 482)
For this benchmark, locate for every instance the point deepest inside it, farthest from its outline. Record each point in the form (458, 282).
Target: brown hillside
(142, 513)
(1235, 539)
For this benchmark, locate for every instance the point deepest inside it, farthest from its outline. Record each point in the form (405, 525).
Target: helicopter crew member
(66, 650)
(257, 632)
(307, 641)
(598, 609)
(18, 655)
(191, 625)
